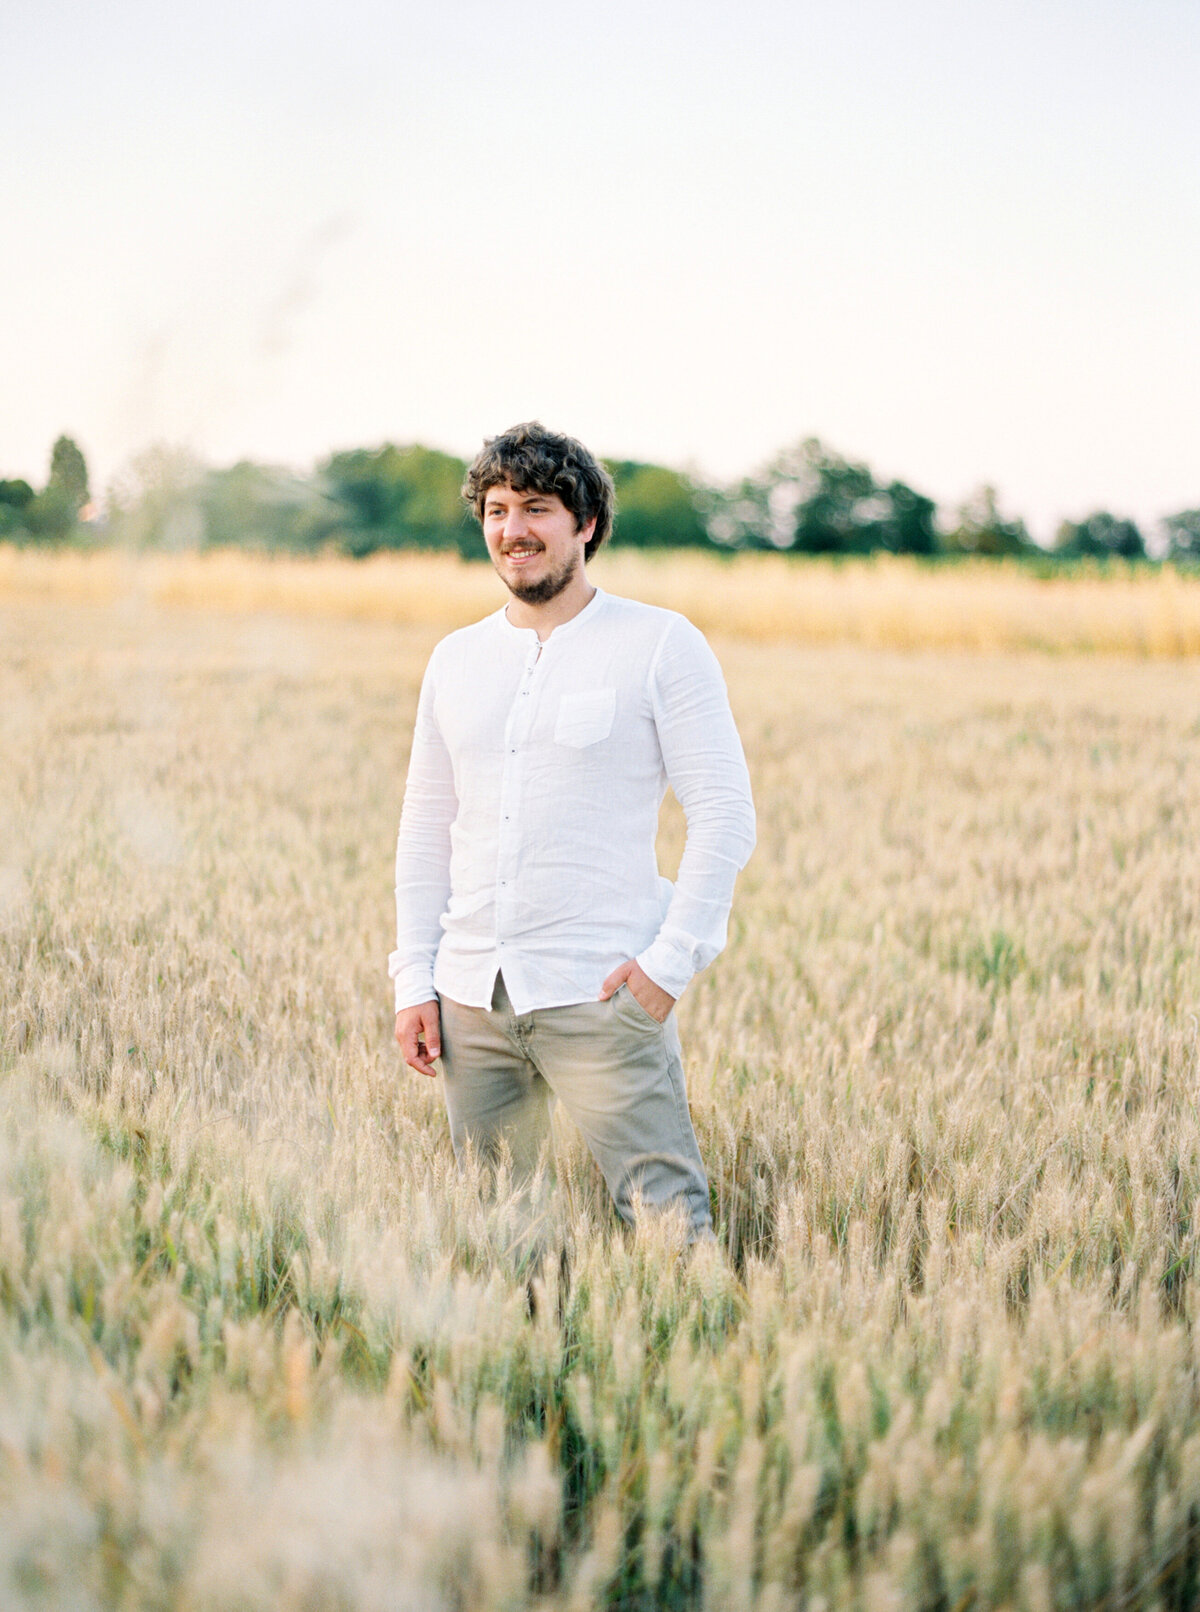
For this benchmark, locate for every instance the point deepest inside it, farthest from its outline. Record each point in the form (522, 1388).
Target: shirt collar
(590, 610)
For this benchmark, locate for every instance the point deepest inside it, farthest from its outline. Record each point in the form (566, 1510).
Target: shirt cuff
(670, 966)
(414, 982)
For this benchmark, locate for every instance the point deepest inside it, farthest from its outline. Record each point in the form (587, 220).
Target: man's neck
(544, 618)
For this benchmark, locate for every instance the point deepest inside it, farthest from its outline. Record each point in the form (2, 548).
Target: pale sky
(960, 241)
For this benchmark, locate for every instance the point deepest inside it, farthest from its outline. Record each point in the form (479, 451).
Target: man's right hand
(419, 1032)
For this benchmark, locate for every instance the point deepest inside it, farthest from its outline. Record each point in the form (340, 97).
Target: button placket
(520, 720)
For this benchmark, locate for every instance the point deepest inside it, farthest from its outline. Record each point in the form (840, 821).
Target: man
(538, 951)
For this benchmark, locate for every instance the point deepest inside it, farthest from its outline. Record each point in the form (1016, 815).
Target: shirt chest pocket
(585, 718)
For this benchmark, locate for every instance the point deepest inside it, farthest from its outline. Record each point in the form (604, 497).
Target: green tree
(15, 498)
(837, 509)
(399, 497)
(981, 528)
(1183, 536)
(1101, 536)
(656, 507)
(68, 472)
(908, 526)
(738, 516)
(814, 500)
(53, 514)
(15, 494)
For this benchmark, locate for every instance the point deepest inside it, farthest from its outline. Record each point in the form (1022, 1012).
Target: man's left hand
(651, 996)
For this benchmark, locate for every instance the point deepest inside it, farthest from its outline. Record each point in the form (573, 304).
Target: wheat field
(883, 601)
(262, 1346)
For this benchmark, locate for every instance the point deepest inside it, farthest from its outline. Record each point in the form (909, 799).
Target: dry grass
(883, 602)
(262, 1347)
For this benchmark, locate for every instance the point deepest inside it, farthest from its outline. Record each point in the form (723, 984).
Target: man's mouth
(521, 551)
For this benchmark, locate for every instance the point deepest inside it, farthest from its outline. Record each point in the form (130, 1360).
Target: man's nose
(515, 524)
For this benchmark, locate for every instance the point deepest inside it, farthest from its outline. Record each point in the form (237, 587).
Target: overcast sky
(959, 241)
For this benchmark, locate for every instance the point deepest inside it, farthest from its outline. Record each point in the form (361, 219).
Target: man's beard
(547, 587)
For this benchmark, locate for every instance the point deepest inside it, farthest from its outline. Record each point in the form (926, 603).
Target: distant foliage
(1183, 536)
(398, 497)
(1101, 537)
(809, 499)
(981, 529)
(51, 515)
(656, 507)
(15, 498)
(909, 525)
(812, 500)
(68, 473)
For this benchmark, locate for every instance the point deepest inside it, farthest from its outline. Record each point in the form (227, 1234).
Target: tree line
(808, 500)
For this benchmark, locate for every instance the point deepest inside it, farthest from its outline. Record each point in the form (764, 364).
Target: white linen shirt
(526, 838)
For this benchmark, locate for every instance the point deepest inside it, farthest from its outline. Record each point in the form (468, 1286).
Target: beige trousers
(616, 1071)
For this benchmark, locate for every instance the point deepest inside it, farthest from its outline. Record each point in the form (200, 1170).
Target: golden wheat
(884, 602)
(262, 1346)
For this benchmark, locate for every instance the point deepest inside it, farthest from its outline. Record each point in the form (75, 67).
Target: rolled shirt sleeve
(706, 767)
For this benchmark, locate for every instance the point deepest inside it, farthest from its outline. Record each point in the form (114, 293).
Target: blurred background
(923, 278)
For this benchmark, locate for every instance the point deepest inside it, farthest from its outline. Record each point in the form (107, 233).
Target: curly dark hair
(530, 458)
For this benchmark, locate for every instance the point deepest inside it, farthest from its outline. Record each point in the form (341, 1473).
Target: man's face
(532, 541)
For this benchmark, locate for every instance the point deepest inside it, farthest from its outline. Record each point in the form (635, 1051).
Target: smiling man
(538, 950)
